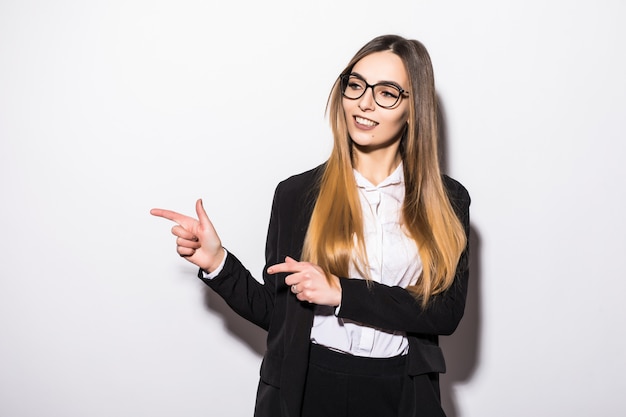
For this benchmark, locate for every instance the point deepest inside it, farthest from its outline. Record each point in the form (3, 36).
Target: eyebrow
(356, 74)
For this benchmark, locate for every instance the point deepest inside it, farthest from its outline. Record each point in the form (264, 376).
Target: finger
(172, 215)
(205, 223)
(293, 279)
(180, 231)
(303, 297)
(290, 265)
(201, 212)
(192, 244)
(284, 267)
(185, 252)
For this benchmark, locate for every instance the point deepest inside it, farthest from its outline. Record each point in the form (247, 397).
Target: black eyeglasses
(386, 94)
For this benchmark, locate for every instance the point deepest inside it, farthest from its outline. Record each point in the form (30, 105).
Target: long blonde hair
(335, 233)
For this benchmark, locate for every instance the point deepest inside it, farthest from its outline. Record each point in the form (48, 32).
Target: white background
(108, 109)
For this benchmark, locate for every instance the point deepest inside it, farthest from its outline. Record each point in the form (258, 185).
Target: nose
(366, 102)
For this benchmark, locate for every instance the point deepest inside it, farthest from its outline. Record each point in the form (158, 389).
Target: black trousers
(340, 385)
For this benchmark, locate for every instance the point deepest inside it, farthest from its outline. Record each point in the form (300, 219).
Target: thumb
(290, 260)
(202, 216)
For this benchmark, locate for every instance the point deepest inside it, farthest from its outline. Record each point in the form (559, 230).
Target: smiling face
(370, 126)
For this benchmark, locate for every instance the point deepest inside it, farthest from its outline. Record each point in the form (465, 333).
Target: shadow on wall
(250, 334)
(462, 348)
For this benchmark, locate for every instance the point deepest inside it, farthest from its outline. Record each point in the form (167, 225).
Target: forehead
(382, 66)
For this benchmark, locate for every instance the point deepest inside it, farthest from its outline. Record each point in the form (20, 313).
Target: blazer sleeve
(394, 308)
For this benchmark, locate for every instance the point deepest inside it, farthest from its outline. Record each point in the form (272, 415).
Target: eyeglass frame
(346, 77)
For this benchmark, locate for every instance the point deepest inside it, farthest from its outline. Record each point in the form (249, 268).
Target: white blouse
(393, 260)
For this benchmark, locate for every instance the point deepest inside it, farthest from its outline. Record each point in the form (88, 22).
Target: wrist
(217, 261)
(338, 291)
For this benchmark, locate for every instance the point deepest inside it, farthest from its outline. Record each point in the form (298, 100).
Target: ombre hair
(334, 238)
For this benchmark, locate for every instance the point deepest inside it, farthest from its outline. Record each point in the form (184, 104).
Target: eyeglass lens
(385, 95)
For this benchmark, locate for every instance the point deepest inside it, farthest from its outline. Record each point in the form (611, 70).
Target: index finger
(290, 265)
(171, 215)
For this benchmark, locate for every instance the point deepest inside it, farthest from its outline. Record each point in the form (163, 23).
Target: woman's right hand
(196, 240)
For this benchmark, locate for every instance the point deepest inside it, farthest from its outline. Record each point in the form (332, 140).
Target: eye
(355, 84)
(388, 91)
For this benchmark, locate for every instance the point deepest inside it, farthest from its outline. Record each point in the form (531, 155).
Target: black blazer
(288, 321)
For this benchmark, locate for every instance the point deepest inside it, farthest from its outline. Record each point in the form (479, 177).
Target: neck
(376, 165)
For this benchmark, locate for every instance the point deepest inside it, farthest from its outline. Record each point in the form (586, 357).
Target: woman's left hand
(308, 281)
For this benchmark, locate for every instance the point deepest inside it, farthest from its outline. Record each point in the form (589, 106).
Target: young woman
(367, 257)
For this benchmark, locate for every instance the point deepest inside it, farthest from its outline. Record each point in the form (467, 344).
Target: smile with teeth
(363, 121)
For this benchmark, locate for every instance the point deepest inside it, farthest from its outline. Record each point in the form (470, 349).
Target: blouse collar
(395, 178)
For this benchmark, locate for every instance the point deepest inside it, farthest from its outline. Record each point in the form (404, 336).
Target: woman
(381, 239)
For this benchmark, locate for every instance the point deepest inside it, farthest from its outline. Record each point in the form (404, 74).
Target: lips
(363, 122)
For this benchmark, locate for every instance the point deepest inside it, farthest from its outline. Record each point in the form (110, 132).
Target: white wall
(110, 108)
